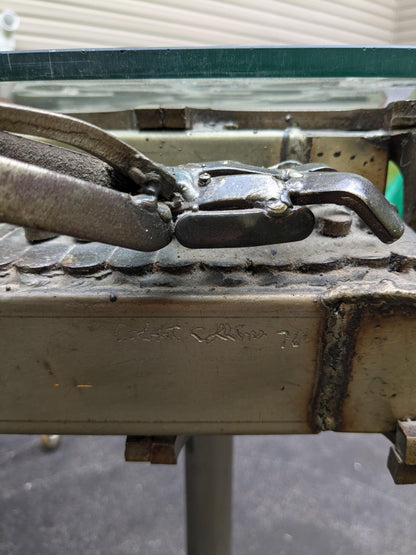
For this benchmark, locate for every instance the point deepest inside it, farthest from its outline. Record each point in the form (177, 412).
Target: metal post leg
(208, 494)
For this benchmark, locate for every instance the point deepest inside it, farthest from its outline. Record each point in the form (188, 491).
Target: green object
(394, 187)
(394, 192)
(169, 63)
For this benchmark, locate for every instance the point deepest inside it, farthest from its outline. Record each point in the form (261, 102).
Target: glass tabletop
(245, 78)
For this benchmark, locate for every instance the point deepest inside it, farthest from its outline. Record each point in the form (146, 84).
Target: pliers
(209, 205)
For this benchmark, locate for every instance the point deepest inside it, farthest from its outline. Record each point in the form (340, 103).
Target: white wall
(108, 23)
(405, 32)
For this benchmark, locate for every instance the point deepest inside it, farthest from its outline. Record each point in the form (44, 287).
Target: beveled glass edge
(210, 62)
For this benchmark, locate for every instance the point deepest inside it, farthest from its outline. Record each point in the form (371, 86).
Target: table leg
(208, 494)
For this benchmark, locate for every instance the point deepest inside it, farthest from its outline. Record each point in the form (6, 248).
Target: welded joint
(334, 366)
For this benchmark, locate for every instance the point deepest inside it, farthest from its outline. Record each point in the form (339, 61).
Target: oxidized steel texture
(223, 304)
(79, 260)
(138, 448)
(90, 138)
(348, 315)
(365, 153)
(354, 192)
(337, 347)
(116, 358)
(405, 441)
(166, 449)
(304, 184)
(382, 369)
(400, 114)
(304, 136)
(63, 160)
(296, 145)
(334, 223)
(265, 265)
(38, 198)
(154, 449)
(401, 472)
(242, 228)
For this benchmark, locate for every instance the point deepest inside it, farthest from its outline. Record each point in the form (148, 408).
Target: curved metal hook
(353, 191)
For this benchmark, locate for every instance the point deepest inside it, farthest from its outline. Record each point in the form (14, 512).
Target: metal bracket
(402, 457)
(154, 449)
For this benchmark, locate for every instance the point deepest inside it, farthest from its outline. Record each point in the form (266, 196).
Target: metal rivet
(204, 179)
(276, 207)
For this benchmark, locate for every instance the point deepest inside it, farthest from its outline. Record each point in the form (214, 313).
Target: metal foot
(208, 494)
(50, 442)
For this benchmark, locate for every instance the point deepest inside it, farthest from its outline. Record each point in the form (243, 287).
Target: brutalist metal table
(206, 343)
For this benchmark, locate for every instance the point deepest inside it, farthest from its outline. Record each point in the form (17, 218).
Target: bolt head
(204, 179)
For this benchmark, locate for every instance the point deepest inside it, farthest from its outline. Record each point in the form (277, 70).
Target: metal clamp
(256, 206)
(214, 205)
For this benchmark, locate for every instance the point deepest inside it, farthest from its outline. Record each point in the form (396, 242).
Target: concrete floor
(293, 495)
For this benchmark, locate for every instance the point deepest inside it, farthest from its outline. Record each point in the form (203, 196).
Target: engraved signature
(291, 340)
(226, 332)
(149, 333)
(223, 331)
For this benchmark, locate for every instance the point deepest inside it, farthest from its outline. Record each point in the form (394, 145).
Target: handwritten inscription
(211, 334)
(149, 333)
(291, 340)
(226, 332)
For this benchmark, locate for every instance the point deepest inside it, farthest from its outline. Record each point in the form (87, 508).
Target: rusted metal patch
(63, 160)
(339, 360)
(338, 337)
(381, 388)
(154, 449)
